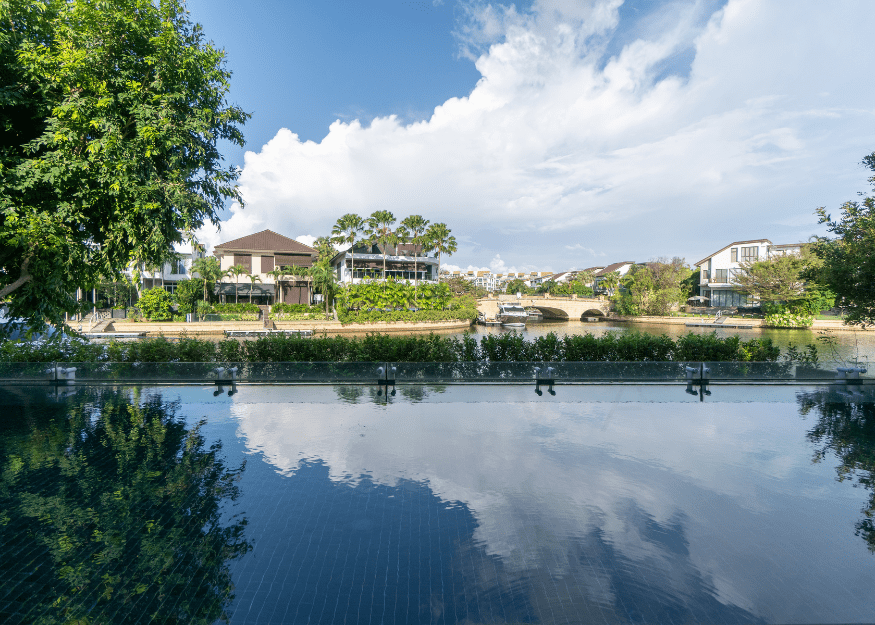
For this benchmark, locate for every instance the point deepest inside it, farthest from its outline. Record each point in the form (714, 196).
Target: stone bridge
(569, 307)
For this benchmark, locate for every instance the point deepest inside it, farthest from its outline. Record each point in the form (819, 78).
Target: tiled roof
(730, 245)
(614, 267)
(267, 240)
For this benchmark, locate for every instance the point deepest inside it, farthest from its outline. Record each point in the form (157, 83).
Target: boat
(512, 315)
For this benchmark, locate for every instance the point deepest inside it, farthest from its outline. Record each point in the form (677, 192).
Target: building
(170, 274)
(718, 270)
(403, 262)
(259, 254)
(621, 268)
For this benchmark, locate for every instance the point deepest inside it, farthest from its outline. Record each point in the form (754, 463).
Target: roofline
(730, 245)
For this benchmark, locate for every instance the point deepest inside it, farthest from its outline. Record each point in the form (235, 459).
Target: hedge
(375, 347)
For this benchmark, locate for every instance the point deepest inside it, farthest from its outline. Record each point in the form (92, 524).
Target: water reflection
(352, 394)
(111, 512)
(845, 429)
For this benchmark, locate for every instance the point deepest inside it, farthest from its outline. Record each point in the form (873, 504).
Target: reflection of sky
(692, 498)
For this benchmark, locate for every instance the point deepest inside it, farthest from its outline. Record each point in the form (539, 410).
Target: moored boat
(512, 315)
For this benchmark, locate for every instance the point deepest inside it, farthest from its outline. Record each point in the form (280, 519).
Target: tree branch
(22, 279)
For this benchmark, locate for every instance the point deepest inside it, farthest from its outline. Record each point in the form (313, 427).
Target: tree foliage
(155, 304)
(654, 288)
(848, 261)
(111, 114)
(773, 279)
(115, 506)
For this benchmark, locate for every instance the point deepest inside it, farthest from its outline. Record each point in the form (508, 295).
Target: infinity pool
(456, 504)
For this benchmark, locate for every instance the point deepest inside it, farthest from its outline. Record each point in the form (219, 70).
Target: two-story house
(718, 270)
(403, 262)
(259, 254)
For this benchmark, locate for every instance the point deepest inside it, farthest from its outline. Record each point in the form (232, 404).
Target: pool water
(456, 504)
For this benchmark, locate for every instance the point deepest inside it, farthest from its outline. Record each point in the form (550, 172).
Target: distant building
(259, 254)
(717, 271)
(622, 268)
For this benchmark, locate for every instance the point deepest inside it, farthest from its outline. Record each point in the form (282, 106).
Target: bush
(155, 304)
(242, 307)
(375, 347)
(787, 319)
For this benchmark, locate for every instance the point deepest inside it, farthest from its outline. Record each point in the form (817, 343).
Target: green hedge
(372, 316)
(375, 347)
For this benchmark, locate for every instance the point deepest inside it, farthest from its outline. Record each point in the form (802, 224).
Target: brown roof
(730, 245)
(614, 267)
(593, 269)
(789, 245)
(267, 240)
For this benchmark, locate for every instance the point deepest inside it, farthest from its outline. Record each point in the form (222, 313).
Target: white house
(403, 262)
(718, 270)
(621, 268)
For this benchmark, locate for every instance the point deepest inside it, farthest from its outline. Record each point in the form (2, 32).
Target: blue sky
(550, 135)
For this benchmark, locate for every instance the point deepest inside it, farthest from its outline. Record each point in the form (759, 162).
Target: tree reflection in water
(115, 507)
(846, 428)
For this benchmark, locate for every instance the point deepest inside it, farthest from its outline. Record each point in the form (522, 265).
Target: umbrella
(698, 298)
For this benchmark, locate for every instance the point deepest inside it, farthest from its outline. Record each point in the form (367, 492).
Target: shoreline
(828, 325)
(327, 326)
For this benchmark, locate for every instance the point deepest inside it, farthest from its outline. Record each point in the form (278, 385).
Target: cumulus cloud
(701, 128)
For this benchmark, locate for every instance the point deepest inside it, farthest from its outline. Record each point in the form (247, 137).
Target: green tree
(155, 304)
(209, 270)
(111, 114)
(380, 232)
(610, 281)
(656, 287)
(187, 294)
(117, 506)
(325, 248)
(345, 232)
(773, 279)
(325, 280)
(237, 271)
(440, 239)
(253, 278)
(848, 267)
(517, 286)
(417, 226)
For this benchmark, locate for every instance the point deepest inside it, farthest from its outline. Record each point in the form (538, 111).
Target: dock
(113, 335)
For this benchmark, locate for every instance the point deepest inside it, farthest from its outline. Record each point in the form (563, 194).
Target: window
(720, 275)
(726, 297)
(749, 254)
(180, 267)
(705, 275)
(734, 254)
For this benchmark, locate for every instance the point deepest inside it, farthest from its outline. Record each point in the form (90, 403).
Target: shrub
(155, 304)
(787, 319)
(241, 307)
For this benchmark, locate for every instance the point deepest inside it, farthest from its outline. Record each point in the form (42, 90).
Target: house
(621, 268)
(403, 262)
(171, 273)
(718, 270)
(259, 254)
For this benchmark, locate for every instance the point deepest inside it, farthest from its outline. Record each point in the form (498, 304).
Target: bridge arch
(593, 312)
(552, 313)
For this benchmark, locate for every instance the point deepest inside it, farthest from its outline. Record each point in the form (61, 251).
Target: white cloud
(583, 248)
(556, 146)
(306, 239)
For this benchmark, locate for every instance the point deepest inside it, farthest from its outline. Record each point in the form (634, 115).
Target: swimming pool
(439, 504)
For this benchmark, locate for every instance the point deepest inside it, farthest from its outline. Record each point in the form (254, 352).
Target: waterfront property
(718, 270)
(402, 262)
(259, 254)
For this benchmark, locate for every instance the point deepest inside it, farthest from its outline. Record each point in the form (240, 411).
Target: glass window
(734, 253)
(749, 254)
(720, 275)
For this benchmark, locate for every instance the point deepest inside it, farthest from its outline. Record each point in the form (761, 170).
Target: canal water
(848, 345)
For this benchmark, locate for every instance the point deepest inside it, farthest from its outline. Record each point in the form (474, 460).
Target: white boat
(512, 315)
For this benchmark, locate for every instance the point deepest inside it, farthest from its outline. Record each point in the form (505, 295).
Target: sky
(549, 135)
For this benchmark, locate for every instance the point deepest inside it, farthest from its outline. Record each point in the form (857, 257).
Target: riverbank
(317, 327)
(828, 325)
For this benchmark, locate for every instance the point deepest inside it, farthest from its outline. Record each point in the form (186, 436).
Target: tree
(237, 271)
(277, 273)
(380, 231)
(848, 262)
(136, 499)
(187, 294)
(155, 304)
(345, 232)
(655, 287)
(610, 282)
(773, 279)
(325, 248)
(111, 114)
(439, 238)
(517, 286)
(416, 225)
(325, 280)
(209, 270)
(253, 278)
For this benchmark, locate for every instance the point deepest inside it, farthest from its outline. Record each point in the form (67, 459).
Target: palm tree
(345, 231)
(417, 225)
(610, 281)
(277, 273)
(208, 269)
(325, 280)
(253, 278)
(380, 231)
(440, 239)
(237, 271)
